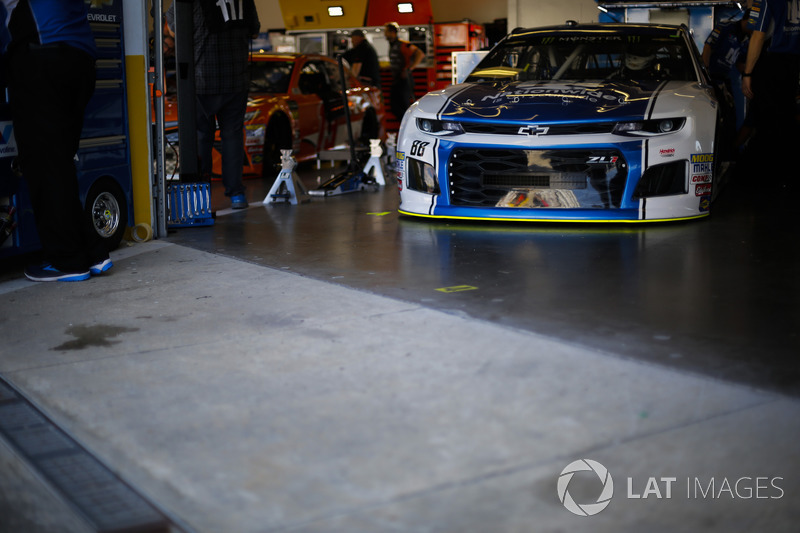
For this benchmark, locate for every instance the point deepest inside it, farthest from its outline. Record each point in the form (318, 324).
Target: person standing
(770, 82)
(403, 59)
(222, 33)
(50, 69)
(772, 67)
(723, 55)
(363, 59)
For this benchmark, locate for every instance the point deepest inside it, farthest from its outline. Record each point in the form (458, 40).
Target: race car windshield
(586, 56)
(270, 76)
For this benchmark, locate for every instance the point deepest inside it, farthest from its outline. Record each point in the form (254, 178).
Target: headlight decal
(439, 127)
(649, 128)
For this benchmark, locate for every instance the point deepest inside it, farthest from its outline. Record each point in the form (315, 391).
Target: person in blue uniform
(726, 47)
(49, 61)
(772, 67)
(723, 54)
(770, 81)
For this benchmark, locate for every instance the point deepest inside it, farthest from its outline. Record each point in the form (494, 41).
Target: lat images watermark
(665, 487)
(586, 509)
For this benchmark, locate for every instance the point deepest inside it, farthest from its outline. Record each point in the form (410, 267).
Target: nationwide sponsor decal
(702, 189)
(705, 204)
(578, 92)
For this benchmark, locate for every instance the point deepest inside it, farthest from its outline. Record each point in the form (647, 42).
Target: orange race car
(295, 102)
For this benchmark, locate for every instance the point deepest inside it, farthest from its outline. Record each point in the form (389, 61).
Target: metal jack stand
(375, 162)
(287, 186)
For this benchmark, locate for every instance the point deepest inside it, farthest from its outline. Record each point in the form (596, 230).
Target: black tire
(278, 137)
(107, 208)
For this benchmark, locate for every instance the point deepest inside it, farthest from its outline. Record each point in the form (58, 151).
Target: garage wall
(518, 12)
(529, 13)
(480, 11)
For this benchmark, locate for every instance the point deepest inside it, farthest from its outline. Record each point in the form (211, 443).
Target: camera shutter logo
(587, 509)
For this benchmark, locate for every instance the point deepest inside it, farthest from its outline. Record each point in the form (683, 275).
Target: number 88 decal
(418, 148)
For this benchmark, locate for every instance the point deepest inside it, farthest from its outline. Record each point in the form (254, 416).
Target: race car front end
(591, 151)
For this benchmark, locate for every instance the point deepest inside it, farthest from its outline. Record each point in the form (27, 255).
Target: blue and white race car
(600, 123)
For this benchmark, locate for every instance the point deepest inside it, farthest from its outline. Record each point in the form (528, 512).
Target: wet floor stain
(91, 336)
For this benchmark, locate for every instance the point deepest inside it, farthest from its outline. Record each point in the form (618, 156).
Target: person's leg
(206, 110)
(48, 118)
(231, 125)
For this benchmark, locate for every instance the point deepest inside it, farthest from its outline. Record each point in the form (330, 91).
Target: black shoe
(47, 272)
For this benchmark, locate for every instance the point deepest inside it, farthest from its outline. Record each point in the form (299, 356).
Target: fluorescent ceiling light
(405, 7)
(335, 11)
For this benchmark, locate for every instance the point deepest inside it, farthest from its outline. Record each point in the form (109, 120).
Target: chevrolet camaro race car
(602, 122)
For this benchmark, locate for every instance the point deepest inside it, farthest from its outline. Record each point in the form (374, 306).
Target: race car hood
(545, 101)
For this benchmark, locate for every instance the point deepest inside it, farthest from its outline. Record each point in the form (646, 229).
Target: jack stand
(375, 162)
(287, 186)
(391, 150)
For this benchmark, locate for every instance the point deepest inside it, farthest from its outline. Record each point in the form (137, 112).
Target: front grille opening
(586, 178)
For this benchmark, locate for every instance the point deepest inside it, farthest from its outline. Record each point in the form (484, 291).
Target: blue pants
(228, 110)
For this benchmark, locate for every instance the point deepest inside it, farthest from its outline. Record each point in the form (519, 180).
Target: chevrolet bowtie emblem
(533, 130)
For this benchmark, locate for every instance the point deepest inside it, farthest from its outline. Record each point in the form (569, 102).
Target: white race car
(602, 122)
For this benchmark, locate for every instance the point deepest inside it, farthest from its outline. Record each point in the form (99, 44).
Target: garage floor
(719, 297)
(334, 367)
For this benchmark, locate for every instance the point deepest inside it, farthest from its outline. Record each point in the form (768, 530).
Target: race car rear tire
(107, 208)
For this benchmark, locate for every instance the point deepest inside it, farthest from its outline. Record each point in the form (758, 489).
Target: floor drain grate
(100, 496)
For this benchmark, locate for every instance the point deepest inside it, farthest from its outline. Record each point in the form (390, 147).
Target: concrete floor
(312, 369)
